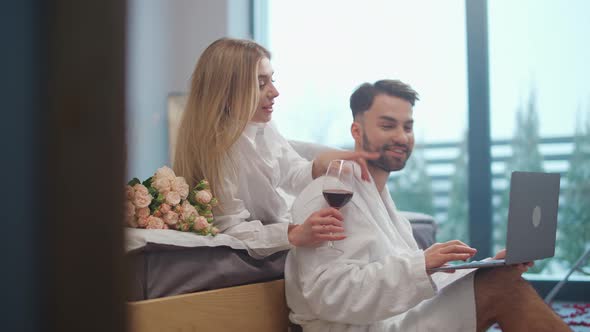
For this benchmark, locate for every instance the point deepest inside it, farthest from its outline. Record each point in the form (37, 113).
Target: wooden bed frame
(257, 307)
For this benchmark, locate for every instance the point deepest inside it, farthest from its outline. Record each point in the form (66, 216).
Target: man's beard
(388, 164)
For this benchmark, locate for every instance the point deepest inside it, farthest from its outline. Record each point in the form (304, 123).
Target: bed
(184, 282)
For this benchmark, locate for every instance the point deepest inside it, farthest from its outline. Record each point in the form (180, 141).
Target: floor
(576, 315)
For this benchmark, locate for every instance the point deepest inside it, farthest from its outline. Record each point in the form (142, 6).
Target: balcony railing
(441, 157)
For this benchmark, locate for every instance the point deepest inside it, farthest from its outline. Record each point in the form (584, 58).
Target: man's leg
(503, 296)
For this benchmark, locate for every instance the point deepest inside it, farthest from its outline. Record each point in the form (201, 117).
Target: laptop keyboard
(484, 262)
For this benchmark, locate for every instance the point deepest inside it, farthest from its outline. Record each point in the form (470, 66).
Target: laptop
(532, 221)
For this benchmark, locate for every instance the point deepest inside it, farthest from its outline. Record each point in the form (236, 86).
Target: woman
(225, 136)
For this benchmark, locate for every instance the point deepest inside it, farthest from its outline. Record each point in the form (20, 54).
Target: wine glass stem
(331, 243)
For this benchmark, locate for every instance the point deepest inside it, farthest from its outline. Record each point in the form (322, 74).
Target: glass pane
(323, 50)
(540, 105)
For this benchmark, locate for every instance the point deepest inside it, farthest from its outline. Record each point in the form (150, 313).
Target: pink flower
(188, 211)
(171, 218)
(143, 212)
(129, 192)
(164, 208)
(183, 227)
(163, 179)
(141, 189)
(154, 223)
(204, 197)
(142, 199)
(180, 186)
(173, 198)
(163, 185)
(129, 209)
(131, 221)
(201, 223)
(214, 230)
(142, 222)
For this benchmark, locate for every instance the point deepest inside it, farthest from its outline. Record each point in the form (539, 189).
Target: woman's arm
(233, 218)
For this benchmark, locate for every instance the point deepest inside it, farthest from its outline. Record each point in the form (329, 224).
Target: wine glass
(337, 186)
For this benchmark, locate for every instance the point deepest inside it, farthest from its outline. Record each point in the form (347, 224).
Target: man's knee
(500, 285)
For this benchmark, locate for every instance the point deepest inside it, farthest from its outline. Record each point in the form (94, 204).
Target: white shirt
(379, 282)
(254, 199)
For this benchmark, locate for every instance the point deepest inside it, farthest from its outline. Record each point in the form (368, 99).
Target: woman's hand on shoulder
(323, 225)
(321, 162)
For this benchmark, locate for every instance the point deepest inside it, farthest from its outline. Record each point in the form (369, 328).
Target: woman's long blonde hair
(223, 98)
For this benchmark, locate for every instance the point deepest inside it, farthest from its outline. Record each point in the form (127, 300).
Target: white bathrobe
(255, 198)
(379, 282)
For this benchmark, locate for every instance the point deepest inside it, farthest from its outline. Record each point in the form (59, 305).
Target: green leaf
(148, 182)
(154, 205)
(192, 198)
(133, 182)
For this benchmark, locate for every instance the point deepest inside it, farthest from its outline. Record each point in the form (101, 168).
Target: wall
(165, 39)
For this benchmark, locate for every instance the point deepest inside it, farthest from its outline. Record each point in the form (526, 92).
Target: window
(539, 103)
(323, 50)
(540, 107)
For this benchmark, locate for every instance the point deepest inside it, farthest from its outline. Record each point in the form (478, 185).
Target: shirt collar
(254, 128)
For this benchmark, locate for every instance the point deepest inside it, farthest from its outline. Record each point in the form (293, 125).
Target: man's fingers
(455, 242)
(457, 248)
(327, 229)
(501, 254)
(456, 257)
(330, 212)
(331, 237)
(319, 221)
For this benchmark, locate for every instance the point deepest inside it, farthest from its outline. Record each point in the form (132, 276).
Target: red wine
(337, 198)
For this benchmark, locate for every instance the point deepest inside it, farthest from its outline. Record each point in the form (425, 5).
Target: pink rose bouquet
(165, 201)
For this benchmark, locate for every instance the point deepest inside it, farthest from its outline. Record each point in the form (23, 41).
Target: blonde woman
(226, 137)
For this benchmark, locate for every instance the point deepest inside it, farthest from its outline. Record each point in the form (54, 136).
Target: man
(376, 279)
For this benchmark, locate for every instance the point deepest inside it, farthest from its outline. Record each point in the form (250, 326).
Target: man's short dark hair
(362, 98)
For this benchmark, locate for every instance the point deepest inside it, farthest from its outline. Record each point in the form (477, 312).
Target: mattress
(159, 271)
(165, 263)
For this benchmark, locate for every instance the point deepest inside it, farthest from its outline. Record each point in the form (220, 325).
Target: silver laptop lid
(532, 216)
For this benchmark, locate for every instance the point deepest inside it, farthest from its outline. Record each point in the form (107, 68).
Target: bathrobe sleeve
(234, 219)
(295, 170)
